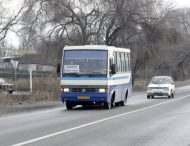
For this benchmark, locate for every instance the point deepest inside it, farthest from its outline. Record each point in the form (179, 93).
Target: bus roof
(96, 47)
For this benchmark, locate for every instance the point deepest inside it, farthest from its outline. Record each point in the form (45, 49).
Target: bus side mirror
(113, 69)
(58, 69)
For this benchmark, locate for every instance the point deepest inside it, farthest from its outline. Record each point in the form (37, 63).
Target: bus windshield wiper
(95, 74)
(72, 74)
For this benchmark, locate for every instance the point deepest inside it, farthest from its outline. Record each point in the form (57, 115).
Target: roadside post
(15, 64)
(30, 71)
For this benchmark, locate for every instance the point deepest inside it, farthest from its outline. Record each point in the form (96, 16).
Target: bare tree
(7, 21)
(144, 26)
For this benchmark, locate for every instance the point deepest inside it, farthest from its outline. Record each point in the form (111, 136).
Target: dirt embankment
(13, 103)
(45, 95)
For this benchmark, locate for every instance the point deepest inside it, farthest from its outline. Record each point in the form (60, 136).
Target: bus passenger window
(127, 62)
(122, 62)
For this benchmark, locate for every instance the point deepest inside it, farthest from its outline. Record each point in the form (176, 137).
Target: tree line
(156, 32)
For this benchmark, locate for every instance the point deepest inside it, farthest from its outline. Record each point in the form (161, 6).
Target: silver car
(161, 86)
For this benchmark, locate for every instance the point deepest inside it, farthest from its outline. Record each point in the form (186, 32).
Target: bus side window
(115, 60)
(111, 63)
(129, 62)
(126, 62)
(118, 62)
(123, 61)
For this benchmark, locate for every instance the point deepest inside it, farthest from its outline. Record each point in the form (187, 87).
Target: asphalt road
(143, 122)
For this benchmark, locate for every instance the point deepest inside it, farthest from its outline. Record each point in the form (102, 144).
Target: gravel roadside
(28, 107)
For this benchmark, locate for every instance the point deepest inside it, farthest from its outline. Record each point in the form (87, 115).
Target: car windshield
(85, 63)
(161, 80)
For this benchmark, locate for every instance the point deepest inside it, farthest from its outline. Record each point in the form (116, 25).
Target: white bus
(94, 74)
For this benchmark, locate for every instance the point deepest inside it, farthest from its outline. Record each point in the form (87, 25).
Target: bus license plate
(84, 97)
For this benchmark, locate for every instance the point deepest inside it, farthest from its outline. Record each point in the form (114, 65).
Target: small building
(7, 55)
(36, 62)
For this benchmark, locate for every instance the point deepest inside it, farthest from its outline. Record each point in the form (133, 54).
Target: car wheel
(152, 97)
(172, 95)
(148, 96)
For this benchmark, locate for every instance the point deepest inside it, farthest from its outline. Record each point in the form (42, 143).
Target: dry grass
(140, 85)
(182, 83)
(46, 89)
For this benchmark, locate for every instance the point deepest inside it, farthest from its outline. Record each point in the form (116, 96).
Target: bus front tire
(107, 105)
(69, 105)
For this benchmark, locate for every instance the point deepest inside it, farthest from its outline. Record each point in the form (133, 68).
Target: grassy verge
(46, 89)
(140, 85)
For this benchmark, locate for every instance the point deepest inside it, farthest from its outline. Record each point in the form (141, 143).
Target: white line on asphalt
(93, 123)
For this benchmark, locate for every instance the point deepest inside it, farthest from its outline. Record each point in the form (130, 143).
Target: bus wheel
(109, 105)
(69, 105)
(124, 102)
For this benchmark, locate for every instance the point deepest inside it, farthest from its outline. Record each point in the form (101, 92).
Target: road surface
(143, 122)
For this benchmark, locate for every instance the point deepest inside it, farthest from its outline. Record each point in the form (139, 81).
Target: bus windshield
(85, 63)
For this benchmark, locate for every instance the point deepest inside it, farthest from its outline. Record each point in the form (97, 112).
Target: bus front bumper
(85, 97)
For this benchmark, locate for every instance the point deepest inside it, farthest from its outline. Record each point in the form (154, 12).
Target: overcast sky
(15, 4)
(183, 3)
(179, 3)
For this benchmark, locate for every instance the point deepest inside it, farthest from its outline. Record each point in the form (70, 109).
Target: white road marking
(93, 123)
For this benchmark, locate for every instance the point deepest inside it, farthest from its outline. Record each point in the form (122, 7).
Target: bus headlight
(66, 90)
(102, 90)
(61, 90)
